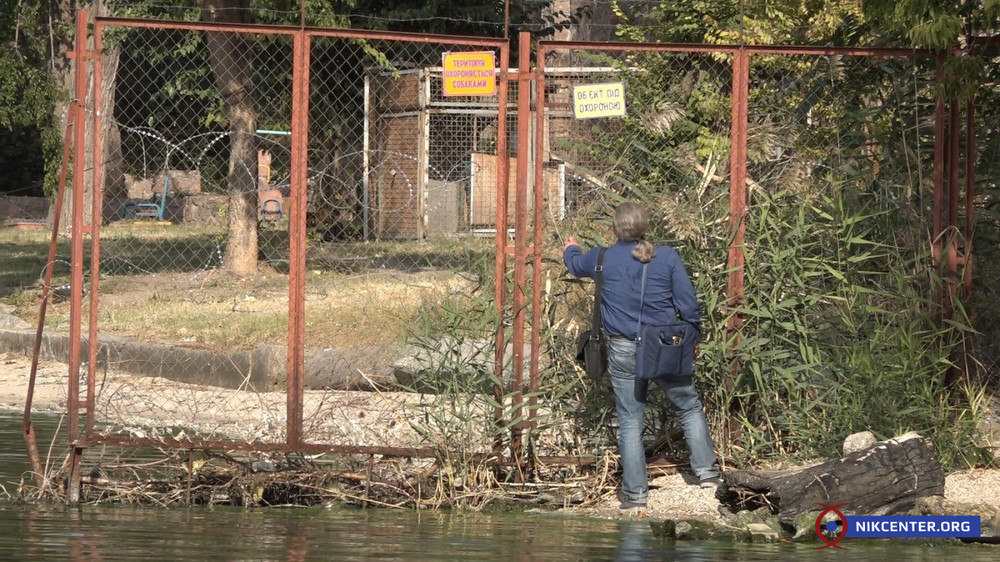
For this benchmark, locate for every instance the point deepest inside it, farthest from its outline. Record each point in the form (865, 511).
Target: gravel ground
(670, 495)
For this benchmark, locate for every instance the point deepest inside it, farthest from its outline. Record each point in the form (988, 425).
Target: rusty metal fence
(709, 132)
(398, 232)
(322, 159)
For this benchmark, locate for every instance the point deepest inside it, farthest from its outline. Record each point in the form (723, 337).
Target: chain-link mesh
(200, 131)
(822, 130)
(395, 169)
(200, 119)
(401, 200)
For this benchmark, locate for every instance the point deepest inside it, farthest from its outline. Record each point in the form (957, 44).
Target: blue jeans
(630, 401)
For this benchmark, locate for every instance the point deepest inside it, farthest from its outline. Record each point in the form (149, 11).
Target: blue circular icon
(831, 526)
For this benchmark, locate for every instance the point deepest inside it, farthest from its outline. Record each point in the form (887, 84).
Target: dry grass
(160, 284)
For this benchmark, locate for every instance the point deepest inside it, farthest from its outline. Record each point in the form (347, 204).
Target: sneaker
(713, 482)
(632, 506)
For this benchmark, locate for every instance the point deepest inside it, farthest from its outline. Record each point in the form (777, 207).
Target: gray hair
(631, 222)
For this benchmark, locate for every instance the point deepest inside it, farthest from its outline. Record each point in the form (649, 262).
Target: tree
(942, 25)
(934, 24)
(234, 78)
(27, 96)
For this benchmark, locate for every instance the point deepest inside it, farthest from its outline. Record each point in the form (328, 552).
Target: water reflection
(119, 533)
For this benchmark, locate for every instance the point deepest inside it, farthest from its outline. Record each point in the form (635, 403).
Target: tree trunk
(115, 192)
(885, 478)
(63, 68)
(232, 64)
(62, 14)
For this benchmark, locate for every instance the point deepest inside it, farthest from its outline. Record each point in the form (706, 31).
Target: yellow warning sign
(469, 74)
(599, 100)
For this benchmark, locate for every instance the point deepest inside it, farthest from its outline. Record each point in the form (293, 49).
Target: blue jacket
(667, 284)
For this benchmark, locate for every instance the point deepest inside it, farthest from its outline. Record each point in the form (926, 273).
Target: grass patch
(163, 283)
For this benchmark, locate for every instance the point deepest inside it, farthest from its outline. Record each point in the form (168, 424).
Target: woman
(668, 293)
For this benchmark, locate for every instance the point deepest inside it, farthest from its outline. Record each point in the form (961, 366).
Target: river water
(109, 532)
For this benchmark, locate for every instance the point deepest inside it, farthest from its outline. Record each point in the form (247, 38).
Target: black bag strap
(642, 297)
(595, 322)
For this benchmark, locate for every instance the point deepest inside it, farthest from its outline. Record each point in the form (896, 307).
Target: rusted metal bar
(938, 197)
(97, 192)
(297, 238)
(970, 196)
(737, 193)
(370, 35)
(536, 280)
(76, 259)
(731, 48)
(317, 448)
(500, 273)
(76, 246)
(73, 479)
(520, 237)
(29, 432)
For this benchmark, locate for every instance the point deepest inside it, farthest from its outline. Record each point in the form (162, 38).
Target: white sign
(599, 100)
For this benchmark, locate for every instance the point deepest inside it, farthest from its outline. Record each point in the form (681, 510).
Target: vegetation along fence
(349, 242)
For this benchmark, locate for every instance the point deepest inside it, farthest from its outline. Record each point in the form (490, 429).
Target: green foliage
(933, 24)
(28, 93)
(838, 334)
(477, 18)
(793, 22)
(835, 341)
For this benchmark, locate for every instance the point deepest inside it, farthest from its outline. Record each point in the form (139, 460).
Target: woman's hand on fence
(570, 241)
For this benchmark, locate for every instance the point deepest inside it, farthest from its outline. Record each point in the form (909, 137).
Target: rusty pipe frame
(733, 48)
(536, 280)
(96, 217)
(76, 258)
(297, 239)
(299, 155)
(736, 258)
(34, 458)
(520, 238)
(520, 247)
(76, 244)
(500, 271)
(223, 27)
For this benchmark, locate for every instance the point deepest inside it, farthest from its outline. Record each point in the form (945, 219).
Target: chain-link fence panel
(198, 166)
(198, 124)
(401, 250)
(667, 145)
(673, 135)
(409, 139)
(840, 168)
(839, 161)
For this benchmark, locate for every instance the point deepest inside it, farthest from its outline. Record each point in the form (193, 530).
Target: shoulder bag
(664, 352)
(591, 349)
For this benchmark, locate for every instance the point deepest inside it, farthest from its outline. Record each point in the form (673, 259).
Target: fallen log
(885, 478)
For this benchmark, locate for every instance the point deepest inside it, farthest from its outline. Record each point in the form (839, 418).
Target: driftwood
(885, 478)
